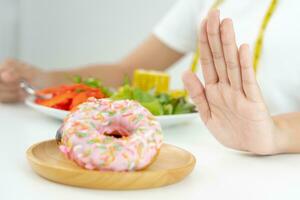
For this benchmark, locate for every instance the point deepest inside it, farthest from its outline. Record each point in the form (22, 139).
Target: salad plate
(164, 120)
(169, 108)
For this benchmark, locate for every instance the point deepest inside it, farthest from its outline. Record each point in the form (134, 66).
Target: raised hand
(230, 103)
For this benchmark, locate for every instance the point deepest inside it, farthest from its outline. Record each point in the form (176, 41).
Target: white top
(279, 70)
(219, 174)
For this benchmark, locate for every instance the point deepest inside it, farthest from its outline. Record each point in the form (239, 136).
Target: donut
(103, 134)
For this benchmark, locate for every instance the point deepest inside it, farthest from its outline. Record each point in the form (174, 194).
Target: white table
(219, 174)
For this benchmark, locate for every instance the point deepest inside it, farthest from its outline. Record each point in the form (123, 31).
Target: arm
(289, 127)
(230, 103)
(152, 54)
(176, 30)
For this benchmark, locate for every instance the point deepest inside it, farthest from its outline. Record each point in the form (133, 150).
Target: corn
(177, 93)
(147, 80)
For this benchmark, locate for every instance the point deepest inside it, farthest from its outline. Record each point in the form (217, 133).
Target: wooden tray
(171, 166)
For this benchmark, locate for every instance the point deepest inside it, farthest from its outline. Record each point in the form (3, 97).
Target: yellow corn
(147, 80)
(178, 93)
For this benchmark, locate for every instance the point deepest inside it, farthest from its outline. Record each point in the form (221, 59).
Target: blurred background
(66, 33)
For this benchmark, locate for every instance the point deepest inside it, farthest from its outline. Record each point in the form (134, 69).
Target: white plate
(164, 120)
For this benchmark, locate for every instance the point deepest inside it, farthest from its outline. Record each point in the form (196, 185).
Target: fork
(31, 91)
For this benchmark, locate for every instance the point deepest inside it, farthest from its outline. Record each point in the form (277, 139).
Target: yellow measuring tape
(259, 40)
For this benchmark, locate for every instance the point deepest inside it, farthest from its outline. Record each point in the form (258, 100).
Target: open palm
(230, 104)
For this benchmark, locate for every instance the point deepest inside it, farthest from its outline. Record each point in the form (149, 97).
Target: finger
(9, 71)
(9, 88)
(10, 75)
(214, 39)
(207, 64)
(197, 93)
(231, 54)
(9, 97)
(6, 64)
(250, 85)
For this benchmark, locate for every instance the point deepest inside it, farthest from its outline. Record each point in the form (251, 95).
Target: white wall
(55, 34)
(60, 33)
(8, 28)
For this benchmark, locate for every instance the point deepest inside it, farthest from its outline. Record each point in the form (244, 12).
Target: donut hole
(116, 131)
(116, 134)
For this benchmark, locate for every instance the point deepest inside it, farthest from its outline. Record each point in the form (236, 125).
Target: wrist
(281, 139)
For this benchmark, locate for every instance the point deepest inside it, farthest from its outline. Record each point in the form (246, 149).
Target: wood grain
(171, 165)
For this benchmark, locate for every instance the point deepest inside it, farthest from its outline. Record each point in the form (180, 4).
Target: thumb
(197, 93)
(9, 75)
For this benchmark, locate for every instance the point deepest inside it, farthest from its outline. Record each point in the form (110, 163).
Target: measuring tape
(259, 40)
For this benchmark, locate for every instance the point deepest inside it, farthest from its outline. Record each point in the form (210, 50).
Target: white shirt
(279, 68)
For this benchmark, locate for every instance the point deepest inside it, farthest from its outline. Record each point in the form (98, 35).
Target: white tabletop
(219, 173)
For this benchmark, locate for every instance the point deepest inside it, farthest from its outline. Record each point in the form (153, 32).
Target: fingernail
(203, 22)
(215, 12)
(7, 76)
(3, 76)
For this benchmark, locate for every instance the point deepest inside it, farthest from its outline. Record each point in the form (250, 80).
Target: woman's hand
(11, 72)
(230, 103)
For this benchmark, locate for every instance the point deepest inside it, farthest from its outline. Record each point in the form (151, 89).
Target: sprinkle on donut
(103, 134)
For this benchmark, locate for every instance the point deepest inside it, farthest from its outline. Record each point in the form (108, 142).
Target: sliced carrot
(67, 97)
(57, 99)
(78, 99)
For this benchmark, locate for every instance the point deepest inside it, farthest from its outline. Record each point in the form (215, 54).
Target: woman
(230, 103)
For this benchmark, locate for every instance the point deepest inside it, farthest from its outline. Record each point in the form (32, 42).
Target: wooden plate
(172, 165)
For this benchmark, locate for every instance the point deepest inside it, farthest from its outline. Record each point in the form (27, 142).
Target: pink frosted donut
(111, 135)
